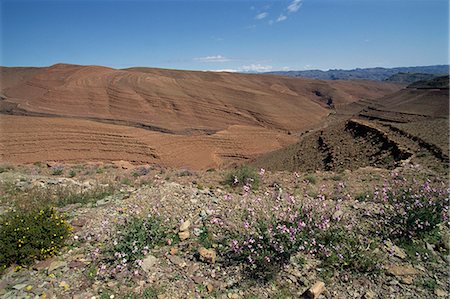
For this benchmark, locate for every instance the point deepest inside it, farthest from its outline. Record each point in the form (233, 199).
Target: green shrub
(347, 250)
(29, 235)
(242, 176)
(57, 170)
(266, 247)
(136, 238)
(413, 210)
(311, 179)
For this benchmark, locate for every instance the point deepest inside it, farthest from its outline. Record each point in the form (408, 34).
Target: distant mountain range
(407, 74)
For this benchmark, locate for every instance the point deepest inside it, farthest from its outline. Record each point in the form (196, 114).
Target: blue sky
(226, 35)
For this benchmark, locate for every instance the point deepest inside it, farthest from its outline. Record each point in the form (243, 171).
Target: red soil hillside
(235, 114)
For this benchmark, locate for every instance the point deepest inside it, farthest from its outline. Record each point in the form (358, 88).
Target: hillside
(410, 124)
(169, 117)
(377, 73)
(408, 78)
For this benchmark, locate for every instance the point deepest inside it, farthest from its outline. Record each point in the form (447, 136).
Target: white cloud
(285, 68)
(261, 15)
(294, 6)
(256, 68)
(224, 70)
(281, 18)
(214, 58)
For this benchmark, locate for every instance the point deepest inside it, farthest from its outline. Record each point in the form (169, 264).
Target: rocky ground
(190, 203)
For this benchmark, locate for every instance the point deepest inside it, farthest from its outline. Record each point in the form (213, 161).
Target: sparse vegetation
(242, 176)
(135, 238)
(57, 170)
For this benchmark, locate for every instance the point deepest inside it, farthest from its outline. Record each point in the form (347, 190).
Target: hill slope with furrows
(408, 124)
(176, 115)
(179, 100)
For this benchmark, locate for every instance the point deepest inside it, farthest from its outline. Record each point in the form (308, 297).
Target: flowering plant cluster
(263, 232)
(29, 235)
(244, 177)
(134, 240)
(412, 209)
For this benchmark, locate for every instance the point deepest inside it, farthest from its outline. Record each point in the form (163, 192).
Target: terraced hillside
(169, 117)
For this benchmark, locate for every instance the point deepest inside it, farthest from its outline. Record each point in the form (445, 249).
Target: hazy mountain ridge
(378, 73)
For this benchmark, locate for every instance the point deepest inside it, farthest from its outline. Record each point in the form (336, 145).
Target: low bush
(57, 170)
(266, 247)
(242, 176)
(135, 238)
(413, 210)
(29, 235)
(341, 249)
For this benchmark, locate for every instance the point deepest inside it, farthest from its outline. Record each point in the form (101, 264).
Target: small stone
(183, 235)
(56, 265)
(76, 264)
(398, 252)
(440, 293)
(315, 291)
(369, 295)
(210, 287)
(20, 286)
(198, 279)
(197, 231)
(185, 226)
(207, 255)
(148, 263)
(173, 250)
(78, 222)
(401, 270)
(406, 279)
(431, 247)
(176, 260)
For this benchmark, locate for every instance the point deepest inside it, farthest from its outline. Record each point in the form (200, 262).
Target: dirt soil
(173, 118)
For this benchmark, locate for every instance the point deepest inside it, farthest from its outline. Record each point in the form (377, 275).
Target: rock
(441, 293)
(183, 235)
(398, 252)
(185, 226)
(369, 295)
(173, 250)
(315, 291)
(148, 263)
(431, 247)
(78, 222)
(407, 279)
(20, 286)
(207, 255)
(56, 265)
(396, 270)
(176, 260)
(197, 231)
(198, 279)
(210, 288)
(76, 264)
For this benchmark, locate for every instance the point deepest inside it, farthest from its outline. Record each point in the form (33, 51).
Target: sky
(232, 35)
